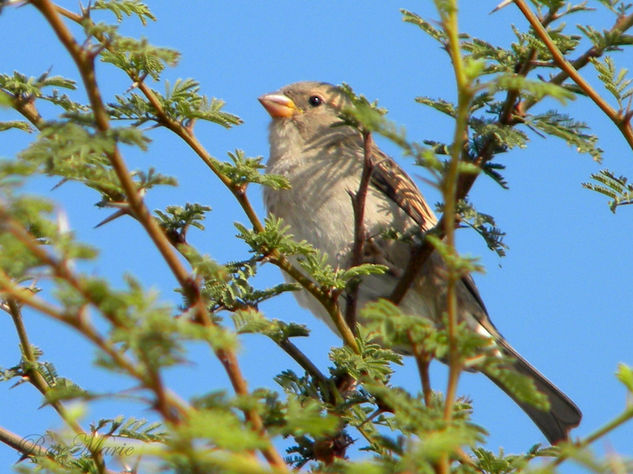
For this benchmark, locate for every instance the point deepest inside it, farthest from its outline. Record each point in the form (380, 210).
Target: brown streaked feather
(389, 178)
(395, 183)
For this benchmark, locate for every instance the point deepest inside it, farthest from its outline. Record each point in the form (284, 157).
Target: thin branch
(37, 380)
(25, 297)
(301, 359)
(621, 25)
(25, 106)
(450, 188)
(28, 448)
(360, 232)
(23, 445)
(423, 362)
(620, 120)
(449, 191)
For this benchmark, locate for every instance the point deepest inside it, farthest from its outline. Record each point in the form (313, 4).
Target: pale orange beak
(278, 105)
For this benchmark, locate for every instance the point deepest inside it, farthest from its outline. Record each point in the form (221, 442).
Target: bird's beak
(278, 105)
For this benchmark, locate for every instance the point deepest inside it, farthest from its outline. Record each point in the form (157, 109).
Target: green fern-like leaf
(244, 170)
(616, 82)
(122, 8)
(415, 19)
(572, 131)
(440, 105)
(617, 188)
(484, 225)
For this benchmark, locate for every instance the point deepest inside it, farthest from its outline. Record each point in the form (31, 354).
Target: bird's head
(311, 106)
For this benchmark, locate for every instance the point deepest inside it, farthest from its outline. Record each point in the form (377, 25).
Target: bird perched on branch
(323, 161)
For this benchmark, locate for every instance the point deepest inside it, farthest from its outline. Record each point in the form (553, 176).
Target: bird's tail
(563, 414)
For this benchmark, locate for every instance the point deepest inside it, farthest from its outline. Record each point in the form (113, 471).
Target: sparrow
(323, 159)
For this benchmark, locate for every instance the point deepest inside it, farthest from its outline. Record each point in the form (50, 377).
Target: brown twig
(26, 106)
(301, 359)
(28, 448)
(22, 445)
(360, 232)
(622, 24)
(37, 380)
(622, 121)
(423, 362)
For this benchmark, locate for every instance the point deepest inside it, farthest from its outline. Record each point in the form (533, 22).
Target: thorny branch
(84, 61)
(621, 120)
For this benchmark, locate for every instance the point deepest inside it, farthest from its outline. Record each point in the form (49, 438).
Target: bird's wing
(392, 180)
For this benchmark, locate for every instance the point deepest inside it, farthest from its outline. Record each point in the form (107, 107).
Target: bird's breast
(317, 207)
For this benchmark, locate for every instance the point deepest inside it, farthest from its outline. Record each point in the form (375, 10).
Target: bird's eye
(315, 101)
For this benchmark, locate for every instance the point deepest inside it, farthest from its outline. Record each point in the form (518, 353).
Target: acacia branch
(423, 361)
(301, 359)
(420, 253)
(449, 191)
(360, 232)
(39, 382)
(621, 25)
(25, 446)
(622, 121)
(165, 405)
(84, 61)
(25, 297)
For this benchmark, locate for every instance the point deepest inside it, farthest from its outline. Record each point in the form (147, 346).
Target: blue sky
(561, 296)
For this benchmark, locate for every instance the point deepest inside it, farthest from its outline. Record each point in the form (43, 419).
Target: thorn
(503, 4)
(123, 208)
(116, 215)
(59, 184)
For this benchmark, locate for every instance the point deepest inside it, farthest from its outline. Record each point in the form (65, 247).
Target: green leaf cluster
(243, 170)
(180, 103)
(617, 188)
